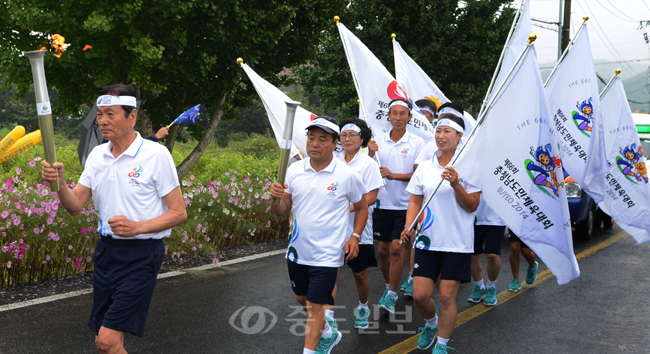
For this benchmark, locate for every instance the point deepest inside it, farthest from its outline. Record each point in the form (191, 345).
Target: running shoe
(531, 274)
(441, 349)
(490, 296)
(515, 285)
(427, 335)
(477, 295)
(363, 314)
(332, 321)
(409, 289)
(403, 287)
(387, 303)
(325, 345)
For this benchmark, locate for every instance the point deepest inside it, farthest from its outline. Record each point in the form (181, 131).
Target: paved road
(605, 310)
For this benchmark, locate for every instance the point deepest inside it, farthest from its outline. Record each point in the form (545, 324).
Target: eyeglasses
(350, 135)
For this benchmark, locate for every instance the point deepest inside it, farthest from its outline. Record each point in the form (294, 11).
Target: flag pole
(616, 72)
(503, 51)
(480, 121)
(567, 49)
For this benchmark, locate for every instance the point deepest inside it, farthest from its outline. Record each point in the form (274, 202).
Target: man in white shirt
(135, 188)
(318, 192)
(397, 150)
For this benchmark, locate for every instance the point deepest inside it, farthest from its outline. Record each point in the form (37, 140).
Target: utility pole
(566, 25)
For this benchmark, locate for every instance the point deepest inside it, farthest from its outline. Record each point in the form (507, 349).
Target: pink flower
(47, 257)
(32, 163)
(88, 259)
(192, 177)
(77, 262)
(9, 181)
(227, 173)
(194, 248)
(67, 260)
(18, 170)
(189, 184)
(9, 264)
(215, 260)
(232, 178)
(83, 230)
(70, 247)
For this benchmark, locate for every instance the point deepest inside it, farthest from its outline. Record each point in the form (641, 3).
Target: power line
(629, 19)
(646, 5)
(607, 38)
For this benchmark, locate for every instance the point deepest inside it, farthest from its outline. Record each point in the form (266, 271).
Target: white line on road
(160, 276)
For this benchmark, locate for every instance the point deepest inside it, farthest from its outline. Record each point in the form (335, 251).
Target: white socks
(392, 293)
(307, 351)
(491, 284)
(443, 340)
(363, 306)
(327, 331)
(387, 286)
(329, 313)
(410, 278)
(480, 284)
(433, 323)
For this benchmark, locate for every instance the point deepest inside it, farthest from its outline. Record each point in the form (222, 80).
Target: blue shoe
(491, 296)
(388, 303)
(363, 314)
(531, 274)
(325, 345)
(403, 287)
(332, 321)
(477, 295)
(409, 289)
(441, 349)
(515, 285)
(427, 335)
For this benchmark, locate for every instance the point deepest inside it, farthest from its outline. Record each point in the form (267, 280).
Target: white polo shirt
(398, 157)
(368, 170)
(447, 226)
(485, 215)
(133, 184)
(426, 153)
(320, 211)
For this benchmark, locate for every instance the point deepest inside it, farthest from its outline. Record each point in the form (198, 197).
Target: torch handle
(285, 154)
(47, 133)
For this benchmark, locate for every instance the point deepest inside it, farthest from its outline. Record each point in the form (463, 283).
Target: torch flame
(88, 46)
(58, 43)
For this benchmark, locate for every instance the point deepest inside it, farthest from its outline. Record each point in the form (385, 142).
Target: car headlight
(573, 190)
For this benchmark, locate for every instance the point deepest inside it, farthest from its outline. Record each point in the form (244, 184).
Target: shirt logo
(136, 172)
(332, 189)
(405, 152)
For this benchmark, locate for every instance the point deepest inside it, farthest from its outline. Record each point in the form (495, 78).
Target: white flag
(377, 87)
(515, 160)
(515, 45)
(273, 99)
(573, 97)
(627, 193)
(420, 86)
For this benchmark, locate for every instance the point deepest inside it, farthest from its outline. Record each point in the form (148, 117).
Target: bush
(226, 196)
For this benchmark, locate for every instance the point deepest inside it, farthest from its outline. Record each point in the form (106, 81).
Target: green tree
(176, 53)
(457, 46)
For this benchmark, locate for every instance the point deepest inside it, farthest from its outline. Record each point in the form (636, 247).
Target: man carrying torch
(318, 192)
(135, 188)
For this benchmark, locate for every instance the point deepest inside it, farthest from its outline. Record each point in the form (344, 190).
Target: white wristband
(357, 236)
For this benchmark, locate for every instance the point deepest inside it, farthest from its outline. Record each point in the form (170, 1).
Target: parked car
(585, 214)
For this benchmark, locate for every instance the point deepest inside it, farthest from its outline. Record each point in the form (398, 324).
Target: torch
(43, 108)
(285, 144)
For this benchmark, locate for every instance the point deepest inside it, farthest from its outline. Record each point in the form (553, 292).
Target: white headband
(449, 123)
(425, 108)
(450, 110)
(351, 126)
(399, 103)
(324, 123)
(108, 100)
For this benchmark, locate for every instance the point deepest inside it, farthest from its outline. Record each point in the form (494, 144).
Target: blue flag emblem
(189, 116)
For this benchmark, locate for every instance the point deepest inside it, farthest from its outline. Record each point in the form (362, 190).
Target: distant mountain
(636, 85)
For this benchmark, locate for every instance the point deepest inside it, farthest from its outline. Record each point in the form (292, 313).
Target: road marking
(45, 299)
(411, 344)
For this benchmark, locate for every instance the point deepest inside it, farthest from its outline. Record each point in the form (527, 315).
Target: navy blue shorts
(388, 224)
(515, 238)
(447, 265)
(490, 235)
(123, 282)
(317, 283)
(365, 259)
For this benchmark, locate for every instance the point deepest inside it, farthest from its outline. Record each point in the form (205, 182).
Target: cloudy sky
(613, 30)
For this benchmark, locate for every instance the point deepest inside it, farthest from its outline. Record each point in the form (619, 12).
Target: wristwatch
(357, 236)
